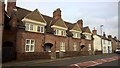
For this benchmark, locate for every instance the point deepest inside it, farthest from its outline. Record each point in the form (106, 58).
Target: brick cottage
(32, 35)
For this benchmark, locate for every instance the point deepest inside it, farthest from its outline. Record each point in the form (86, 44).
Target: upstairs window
(40, 29)
(63, 32)
(103, 41)
(60, 32)
(29, 27)
(76, 35)
(88, 36)
(108, 42)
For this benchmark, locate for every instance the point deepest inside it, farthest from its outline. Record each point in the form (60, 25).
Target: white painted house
(105, 47)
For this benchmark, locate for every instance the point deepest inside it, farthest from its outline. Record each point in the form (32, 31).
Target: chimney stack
(11, 5)
(2, 9)
(104, 34)
(80, 23)
(115, 37)
(57, 13)
(109, 36)
(94, 31)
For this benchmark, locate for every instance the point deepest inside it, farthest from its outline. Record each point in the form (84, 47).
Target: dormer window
(88, 36)
(40, 29)
(60, 32)
(76, 35)
(29, 27)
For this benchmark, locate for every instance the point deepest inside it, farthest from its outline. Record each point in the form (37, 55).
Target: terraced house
(101, 44)
(32, 35)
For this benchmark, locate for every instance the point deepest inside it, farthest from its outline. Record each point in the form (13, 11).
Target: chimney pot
(80, 23)
(10, 6)
(57, 13)
(104, 34)
(109, 36)
(94, 31)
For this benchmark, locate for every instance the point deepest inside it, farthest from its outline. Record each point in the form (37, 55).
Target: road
(113, 64)
(105, 59)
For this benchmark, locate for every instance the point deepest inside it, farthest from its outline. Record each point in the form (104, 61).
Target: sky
(93, 12)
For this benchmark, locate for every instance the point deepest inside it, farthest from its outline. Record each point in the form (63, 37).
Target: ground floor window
(75, 47)
(29, 45)
(62, 46)
(89, 47)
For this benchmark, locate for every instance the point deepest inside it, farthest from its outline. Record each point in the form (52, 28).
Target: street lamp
(101, 36)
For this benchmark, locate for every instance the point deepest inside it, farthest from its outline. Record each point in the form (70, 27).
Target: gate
(8, 52)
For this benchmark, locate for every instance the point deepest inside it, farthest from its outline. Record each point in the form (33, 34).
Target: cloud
(110, 24)
(93, 14)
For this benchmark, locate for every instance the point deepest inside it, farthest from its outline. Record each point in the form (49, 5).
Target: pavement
(77, 62)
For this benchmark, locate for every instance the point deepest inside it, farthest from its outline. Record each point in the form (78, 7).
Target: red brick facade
(18, 37)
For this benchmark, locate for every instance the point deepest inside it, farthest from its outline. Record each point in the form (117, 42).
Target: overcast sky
(93, 12)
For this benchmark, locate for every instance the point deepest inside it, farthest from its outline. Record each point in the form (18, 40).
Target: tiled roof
(69, 25)
(86, 29)
(35, 15)
(103, 37)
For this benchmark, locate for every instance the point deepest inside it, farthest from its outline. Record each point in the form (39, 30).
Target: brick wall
(114, 46)
(21, 40)
(71, 43)
(98, 52)
(72, 53)
(33, 55)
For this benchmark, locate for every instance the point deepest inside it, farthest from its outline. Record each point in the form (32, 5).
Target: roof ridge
(23, 9)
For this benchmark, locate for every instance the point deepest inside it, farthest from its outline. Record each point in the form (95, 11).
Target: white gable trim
(76, 31)
(87, 33)
(33, 21)
(54, 26)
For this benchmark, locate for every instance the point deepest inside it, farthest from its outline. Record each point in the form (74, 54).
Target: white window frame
(88, 36)
(60, 32)
(89, 47)
(29, 49)
(103, 41)
(41, 28)
(62, 46)
(63, 32)
(29, 27)
(74, 47)
(108, 42)
(76, 35)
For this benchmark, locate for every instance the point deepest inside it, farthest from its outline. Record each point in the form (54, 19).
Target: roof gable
(35, 15)
(60, 23)
(76, 27)
(86, 29)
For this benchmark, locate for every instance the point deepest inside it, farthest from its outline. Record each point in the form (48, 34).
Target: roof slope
(103, 37)
(86, 29)
(60, 23)
(76, 27)
(35, 15)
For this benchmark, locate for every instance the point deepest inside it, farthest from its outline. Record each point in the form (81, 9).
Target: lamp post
(101, 37)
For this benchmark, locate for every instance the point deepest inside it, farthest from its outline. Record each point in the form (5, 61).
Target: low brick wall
(72, 53)
(33, 55)
(85, 53)
(98, 52)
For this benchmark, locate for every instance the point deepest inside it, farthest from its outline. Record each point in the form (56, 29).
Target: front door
(108, 49)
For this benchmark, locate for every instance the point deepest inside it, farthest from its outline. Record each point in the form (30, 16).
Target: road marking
(77, 65)
(104, 60)
(95, 62)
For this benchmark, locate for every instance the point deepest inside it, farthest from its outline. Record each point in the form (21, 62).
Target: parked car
(117, 50)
